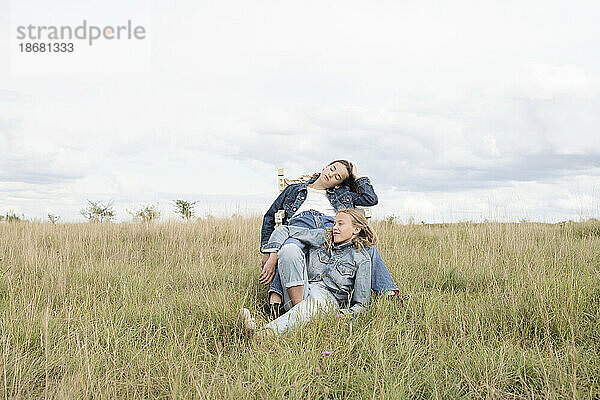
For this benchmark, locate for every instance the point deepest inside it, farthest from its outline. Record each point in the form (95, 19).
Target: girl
(338, 274)
(312, 205)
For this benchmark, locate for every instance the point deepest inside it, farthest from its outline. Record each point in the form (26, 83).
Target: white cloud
(576, 198)
(543, 81)
(442, 103)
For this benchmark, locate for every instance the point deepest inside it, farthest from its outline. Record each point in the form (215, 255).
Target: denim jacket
(345, 270)
(294, 195)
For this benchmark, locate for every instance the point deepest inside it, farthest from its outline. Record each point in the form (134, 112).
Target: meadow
(487, 310)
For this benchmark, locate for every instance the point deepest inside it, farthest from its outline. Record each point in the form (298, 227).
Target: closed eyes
(337, 177)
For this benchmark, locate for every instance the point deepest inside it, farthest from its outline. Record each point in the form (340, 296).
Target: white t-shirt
(316, 200)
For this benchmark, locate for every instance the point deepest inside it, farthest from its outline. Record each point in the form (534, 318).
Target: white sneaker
(247, 321)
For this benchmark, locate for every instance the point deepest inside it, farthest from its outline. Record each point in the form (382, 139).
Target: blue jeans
(316, 299)
(292, 269)
(381, 280)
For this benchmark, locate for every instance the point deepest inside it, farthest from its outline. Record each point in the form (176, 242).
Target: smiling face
(333, 174)
(343, 229)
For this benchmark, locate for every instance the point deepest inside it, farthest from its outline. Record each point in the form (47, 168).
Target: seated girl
(312, 205)
(337, 276)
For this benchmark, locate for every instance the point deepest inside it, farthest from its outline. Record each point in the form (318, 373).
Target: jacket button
(294, 208)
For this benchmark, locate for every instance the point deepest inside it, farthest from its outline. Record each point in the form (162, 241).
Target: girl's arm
(362, 290)
(268, 224)
(366, 194)
(312, 237)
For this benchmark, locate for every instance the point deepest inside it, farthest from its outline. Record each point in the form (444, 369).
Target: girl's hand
(268, 271)
(264, 259)
(354, 171)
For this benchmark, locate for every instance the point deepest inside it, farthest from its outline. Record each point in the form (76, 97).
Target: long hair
(365, 238)
(349, 181)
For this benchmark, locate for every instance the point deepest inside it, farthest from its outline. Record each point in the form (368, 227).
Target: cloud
(38, 169)
(576, 197)
(19, 162)
(452, 100)
(480, 138)
(544, 81)
(489, 141)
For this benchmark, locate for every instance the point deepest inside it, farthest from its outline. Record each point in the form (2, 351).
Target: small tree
(97, 211)
(185, 209)
(11, 216)
(146, 214)
(53, 218)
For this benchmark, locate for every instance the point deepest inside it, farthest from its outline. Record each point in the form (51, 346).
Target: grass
(502, 311)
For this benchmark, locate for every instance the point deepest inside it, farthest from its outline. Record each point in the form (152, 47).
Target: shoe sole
(247, 321)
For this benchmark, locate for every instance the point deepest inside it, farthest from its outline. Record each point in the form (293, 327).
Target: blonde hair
(365, 238)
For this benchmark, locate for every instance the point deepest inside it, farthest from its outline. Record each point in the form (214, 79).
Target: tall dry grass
(148, 311)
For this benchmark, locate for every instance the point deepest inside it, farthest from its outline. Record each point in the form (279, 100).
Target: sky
(456, 111)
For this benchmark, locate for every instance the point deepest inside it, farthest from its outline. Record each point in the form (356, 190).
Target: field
(118, 311)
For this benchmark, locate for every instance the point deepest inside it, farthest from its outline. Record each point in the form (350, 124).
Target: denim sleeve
(361, 293)
(366, 195)
(268, 224)
(312, 237)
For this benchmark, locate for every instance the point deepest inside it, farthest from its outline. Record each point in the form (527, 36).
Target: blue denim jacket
(294, 195)
(345, 270)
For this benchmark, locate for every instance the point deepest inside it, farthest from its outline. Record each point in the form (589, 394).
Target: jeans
(296, 251)
(292, 270)
(316, 299)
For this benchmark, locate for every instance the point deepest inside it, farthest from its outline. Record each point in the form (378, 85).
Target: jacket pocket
(345, 202)
(323, 256)
(347, 270)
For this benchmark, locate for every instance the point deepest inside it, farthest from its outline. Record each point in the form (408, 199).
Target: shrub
(185, 209)
(147, 213)
(97, 211)
(11, 216)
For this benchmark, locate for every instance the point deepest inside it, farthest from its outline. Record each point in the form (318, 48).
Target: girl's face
(343, 230)
(334, 174)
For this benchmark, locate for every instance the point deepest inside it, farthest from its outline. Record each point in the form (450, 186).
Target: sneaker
(247, 321)
(396, 298)
(273, 311)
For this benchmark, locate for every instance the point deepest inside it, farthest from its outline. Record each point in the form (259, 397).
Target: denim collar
(343, 246)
